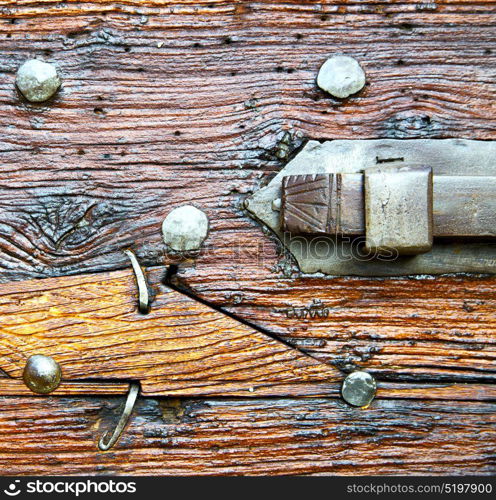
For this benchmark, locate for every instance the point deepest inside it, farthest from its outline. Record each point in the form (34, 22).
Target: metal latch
(399, 209)
(386, 207)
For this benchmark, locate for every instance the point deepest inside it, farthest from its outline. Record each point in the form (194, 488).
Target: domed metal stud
(185, 228)
(341, 76)
(42, 374)
(37, 80)
(359, 388)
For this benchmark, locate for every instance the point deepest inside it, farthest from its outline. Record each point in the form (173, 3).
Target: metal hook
(143, 294)
(105, 445)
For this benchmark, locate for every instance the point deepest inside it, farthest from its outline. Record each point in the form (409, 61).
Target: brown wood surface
(244, 436)
(17, 387)
(399, 329)
(91, 326)
(201, 102)
(197, 102)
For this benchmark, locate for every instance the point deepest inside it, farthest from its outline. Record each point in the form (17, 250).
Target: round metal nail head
(359, 388)
(185, 228)
(341, 76)
(37, 80)
(42, 374)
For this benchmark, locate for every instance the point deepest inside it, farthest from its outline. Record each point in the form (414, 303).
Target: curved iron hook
(143, 294)
(105, 445)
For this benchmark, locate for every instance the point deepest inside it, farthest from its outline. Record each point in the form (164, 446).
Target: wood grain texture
(196, 101)
(90, 325)
(166, 103)
(398, 329)
(16, 387)
(203, 102)
(251, 437)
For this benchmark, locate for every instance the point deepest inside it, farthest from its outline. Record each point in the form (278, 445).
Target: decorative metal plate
(338, 256)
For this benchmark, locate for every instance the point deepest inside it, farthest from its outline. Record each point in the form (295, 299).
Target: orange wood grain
(399, 329)
(191, 106)
(90, 325)
(16, 387)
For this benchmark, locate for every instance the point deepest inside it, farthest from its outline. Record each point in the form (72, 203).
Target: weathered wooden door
(171, 103)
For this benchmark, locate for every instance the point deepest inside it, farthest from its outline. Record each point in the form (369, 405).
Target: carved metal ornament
(385, 207)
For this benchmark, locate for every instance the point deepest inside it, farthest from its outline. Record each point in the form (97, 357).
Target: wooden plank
(15, 387)
(437, 392)
(205, 95)
(399, 329)
(385, 390)
(67, 206)
(71, 207)
(165, 104)
(90, 325)
(248, 436)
